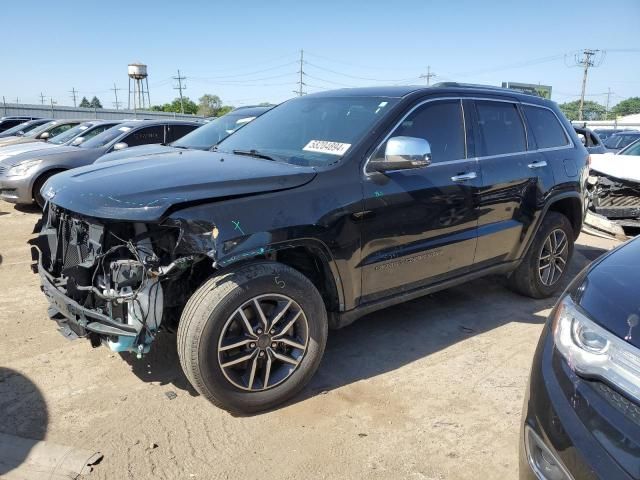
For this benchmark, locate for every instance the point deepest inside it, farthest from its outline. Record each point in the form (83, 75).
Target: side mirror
(403, 153)
(20, 133)
(44, 136)
(119, 146)
(77, 141)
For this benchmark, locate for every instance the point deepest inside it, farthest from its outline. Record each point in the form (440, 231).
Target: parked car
(323, 209)
(74, 136)
(618, 141)
(605, 133)
(590, 140)
(22, 178)
(203, 138)
(10, 122)
(24, 127)
(614, 187)
(41, 133)
(582, 405)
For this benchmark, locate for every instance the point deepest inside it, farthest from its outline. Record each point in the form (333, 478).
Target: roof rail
(478, 85)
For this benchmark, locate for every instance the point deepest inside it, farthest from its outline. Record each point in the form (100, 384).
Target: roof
(138, 123)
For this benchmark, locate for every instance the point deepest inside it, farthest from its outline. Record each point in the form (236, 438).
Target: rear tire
(546, 262)
(220, 324)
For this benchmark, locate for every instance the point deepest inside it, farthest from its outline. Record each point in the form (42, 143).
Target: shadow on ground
(391, 338)
(23, 413)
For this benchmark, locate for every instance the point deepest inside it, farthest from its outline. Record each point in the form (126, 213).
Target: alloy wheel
(553, 257)
(263, 342)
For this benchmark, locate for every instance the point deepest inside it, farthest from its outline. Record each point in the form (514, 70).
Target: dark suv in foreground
(321, 210)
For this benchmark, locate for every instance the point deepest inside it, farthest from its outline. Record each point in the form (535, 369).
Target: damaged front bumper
(616, 199)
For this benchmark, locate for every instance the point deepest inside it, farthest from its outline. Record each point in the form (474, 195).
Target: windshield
(215, 131)
(70, 134)
(105, 137)
(632, 149)
(313, 131)
(620, 141)
(42, 128)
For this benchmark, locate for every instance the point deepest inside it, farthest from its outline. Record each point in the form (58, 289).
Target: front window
(42, 128)
(70, 134)
(105, 137)
(205, 137)
(312, 131)
(18, 128)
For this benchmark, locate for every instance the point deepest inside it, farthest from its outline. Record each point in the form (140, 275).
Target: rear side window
(545, 127)
(441, 124)
(501, 128)
(174, 132)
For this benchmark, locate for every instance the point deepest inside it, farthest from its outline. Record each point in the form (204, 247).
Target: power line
(586, 61)
(609, 93)
(180, 88)
(115, 91)
(41, 98)
(73, 93)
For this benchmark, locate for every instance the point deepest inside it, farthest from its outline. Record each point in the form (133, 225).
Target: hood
(136, 152)
(624, 167)
(609, 293)
(15, 140)
(45, 153)
(16, 149)
(143, 190)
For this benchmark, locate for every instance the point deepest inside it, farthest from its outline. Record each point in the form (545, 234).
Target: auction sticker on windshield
(324, 146)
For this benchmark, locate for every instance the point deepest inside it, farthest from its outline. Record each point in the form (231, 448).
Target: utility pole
(586, 61)
(301, 83)
(41, 98)
(115, 92)
(180, 88)
(609, 93)
(52, 104)
(73, 93)
(428, 75)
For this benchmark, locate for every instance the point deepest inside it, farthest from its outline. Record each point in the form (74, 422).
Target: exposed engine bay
(106, 281)
(615, 198)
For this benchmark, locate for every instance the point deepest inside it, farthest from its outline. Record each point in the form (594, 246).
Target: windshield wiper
(253, 153)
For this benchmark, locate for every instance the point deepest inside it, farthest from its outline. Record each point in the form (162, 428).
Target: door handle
(538, 164)
(463, 177)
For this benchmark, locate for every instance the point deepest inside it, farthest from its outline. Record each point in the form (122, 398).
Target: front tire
(251, 339)
(546, 262)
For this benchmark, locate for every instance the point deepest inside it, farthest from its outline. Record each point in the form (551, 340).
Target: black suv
(325, 208)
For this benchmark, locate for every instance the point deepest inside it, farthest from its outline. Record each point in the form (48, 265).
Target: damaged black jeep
(323, 209)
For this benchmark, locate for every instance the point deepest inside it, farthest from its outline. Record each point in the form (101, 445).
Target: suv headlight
(22, 168)
(592, 351)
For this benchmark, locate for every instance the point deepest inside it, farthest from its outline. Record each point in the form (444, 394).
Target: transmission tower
(73, 93)
(429, 75)
(300, 92)
(180, 87)
(115, 91)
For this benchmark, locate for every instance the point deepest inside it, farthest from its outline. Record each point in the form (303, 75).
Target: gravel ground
(431, 389)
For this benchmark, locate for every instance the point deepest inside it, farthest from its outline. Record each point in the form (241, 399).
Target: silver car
(41, 133)
(22, 177)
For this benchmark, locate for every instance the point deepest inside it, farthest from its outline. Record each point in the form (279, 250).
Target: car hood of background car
(63, 151)
(608, 292)
(12, 150)
(135, 152)
(143, 190)
(624, 167)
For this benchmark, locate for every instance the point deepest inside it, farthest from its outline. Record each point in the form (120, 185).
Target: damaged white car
(614, 185)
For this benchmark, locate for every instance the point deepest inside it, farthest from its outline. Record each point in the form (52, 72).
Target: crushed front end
(105, 280)
(615, 198)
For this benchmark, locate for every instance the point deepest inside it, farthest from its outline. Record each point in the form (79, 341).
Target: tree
(95, 103)
(189, 106)
(627, 107)
(85, 103)
(224, 110)
(209, 105)
(591, 110)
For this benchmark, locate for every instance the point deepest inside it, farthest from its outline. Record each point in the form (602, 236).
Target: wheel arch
(49, 171)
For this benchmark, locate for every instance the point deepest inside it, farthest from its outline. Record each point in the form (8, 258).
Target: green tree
(95, 103)
(209, 105)
(189, 106)
(85, 103)
(627, 107)
(224, 110)
(591, 110)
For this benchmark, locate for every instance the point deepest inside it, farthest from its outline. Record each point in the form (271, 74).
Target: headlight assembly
(592, 351)
(22, 168)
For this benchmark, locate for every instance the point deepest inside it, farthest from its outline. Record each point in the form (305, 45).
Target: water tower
(140, 92)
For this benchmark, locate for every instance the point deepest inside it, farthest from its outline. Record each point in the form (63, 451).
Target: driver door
(419, 225)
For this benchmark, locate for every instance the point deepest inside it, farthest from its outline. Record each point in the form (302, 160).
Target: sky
(248, 52)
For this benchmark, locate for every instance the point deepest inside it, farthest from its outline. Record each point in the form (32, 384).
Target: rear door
(175, 132)
(515, 180)
(145, 136)
(419, 225)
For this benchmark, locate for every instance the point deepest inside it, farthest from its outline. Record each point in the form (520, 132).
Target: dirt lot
(430, 389)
